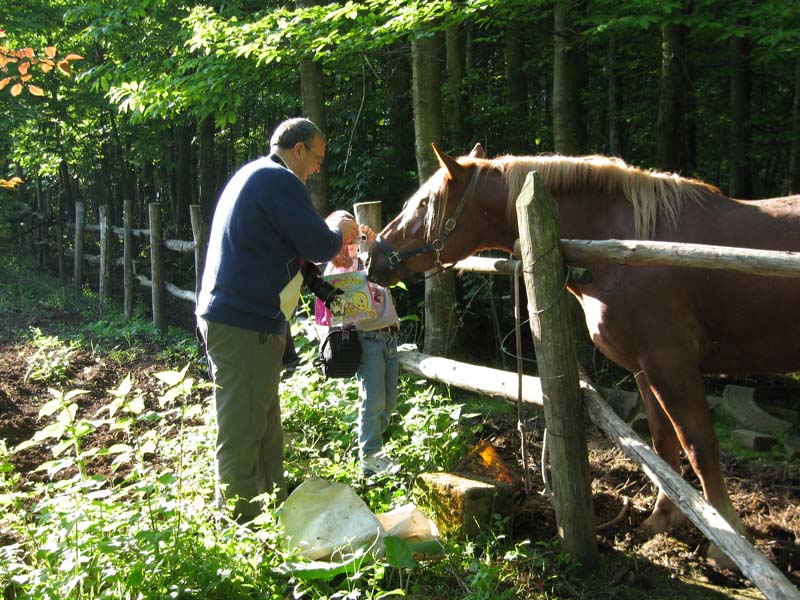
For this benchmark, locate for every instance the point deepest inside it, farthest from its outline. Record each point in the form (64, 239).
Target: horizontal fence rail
(764, 263)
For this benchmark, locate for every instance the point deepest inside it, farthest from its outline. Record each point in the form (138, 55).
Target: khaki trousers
(246, 366)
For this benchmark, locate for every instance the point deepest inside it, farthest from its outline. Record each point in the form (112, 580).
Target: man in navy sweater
(264, 227)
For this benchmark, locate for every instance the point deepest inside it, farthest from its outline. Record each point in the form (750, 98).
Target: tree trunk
(439, 289)
(516, 93)
(454, 91)
(794, 153)
(183, 179)
(616, 126)
(569, 77)
(312, 90)
(208, 172)
(741, 185)
(426, 85)
(569, 126)
(400, 114)
(671, 143)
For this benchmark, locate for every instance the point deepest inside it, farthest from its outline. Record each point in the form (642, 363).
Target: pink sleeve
(322, 316)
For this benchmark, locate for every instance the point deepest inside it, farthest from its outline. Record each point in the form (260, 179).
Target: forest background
(171, 97)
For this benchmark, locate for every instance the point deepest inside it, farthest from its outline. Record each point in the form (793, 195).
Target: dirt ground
(767, 496)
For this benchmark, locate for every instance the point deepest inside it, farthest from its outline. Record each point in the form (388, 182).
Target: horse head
(442, 223)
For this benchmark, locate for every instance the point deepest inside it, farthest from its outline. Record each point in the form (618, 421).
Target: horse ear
(477, 151)
(448, 162)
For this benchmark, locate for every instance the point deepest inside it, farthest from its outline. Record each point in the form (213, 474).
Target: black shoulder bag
(339, 352)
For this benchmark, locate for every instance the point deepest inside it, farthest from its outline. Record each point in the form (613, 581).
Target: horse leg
(665, 515)
(679, 390)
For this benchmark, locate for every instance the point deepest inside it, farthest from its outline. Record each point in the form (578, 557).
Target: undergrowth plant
(123, 507)
(50, 361)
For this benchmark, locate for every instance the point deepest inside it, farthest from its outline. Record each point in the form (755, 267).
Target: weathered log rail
(764, 263)
(503, 384)
(157, 282)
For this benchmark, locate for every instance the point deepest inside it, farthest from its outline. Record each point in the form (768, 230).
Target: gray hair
(294, 131)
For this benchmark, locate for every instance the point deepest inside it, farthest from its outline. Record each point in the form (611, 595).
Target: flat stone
(462, 506)
(792, 448)
(640, 425)
(739, 405)
(622, 402)
(753, 440)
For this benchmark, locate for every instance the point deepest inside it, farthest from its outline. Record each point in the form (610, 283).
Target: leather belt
(388, 330)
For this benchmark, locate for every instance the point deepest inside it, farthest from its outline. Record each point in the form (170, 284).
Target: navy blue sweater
(264, 224)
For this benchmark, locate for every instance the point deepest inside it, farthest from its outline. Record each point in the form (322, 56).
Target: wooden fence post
(77, 264)
(157, 267)
(104, 288)
(199, 236)
(542, 255)
(368, 213)
(127, 259)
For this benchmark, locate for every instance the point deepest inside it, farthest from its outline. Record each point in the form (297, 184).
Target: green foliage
(50, 362)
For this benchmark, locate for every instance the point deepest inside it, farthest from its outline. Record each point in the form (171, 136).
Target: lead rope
(520, 418)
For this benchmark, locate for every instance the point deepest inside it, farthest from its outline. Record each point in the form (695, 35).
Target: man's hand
(345, 223)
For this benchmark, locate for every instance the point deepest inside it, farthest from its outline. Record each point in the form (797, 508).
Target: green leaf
(124, 387)
(172, 378)
(317, 570)
(50, 407)
(398, 552)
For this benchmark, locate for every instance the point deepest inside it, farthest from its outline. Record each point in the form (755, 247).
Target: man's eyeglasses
(317, 156)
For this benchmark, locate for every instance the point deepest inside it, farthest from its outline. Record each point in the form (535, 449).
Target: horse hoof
(719, 560)
(661, 522)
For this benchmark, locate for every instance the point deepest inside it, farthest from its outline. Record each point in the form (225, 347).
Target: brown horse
(666, 325)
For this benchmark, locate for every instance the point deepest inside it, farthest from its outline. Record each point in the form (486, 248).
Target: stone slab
(462, 506)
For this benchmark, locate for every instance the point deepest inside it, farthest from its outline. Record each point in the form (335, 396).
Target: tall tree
(312, 89)
(516, 90)
(569, 79)
(741, 185)
(794, 153)
(616, 125)
(454, 90)
(184, 181)
(440, 296)
(207, 193)
(671, 146)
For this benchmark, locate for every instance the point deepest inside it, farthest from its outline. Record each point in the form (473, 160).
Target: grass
(148, 528)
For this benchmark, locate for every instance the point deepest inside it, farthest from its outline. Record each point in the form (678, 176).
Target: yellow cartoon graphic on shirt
(356, 303)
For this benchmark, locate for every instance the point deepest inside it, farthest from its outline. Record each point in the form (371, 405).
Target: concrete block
(753, 440)
(462, 506)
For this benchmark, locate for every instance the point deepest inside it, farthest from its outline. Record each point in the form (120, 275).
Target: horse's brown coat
(667, 325)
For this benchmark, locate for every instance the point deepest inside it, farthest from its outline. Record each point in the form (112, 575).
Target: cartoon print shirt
(386, 314)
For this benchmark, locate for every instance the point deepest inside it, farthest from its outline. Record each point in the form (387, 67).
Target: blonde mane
(651, 193)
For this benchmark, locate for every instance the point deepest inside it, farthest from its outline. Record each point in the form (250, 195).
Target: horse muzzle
(379, 269)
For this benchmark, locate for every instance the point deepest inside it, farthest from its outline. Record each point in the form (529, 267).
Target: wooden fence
(157, 282)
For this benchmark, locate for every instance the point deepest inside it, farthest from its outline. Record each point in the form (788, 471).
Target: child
(378, 372)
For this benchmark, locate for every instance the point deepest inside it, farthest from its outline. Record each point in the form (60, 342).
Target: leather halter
(437, 246)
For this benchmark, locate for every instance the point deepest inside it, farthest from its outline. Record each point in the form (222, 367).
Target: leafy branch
(23, 62)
